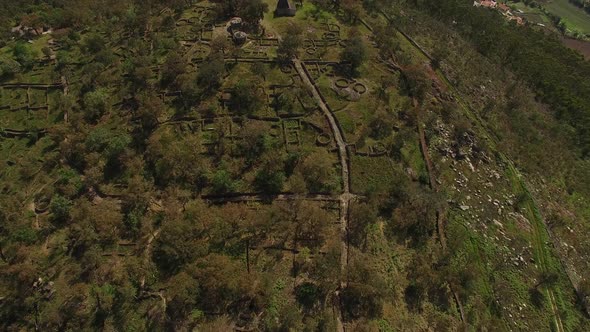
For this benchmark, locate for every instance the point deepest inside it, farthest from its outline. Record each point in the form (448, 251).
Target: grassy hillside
(359, 166)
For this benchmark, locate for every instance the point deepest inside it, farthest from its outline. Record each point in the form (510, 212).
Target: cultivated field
(575, 18)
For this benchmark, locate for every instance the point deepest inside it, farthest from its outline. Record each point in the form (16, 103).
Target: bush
(96, 104)
(222, 183)
(23, 54)
(269, 182)
(60, 208)
(25, 235)
(93, 43)
(109, 143)
(9, 67)
(355, 53)
(361, 300)
(211, 72)
(380, 128)
(319, 173)
(246, 98)
(69, 182)
(308, 294)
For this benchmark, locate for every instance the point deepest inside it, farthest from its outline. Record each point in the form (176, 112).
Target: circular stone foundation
(42, 204)
(286, 69)
(360, 88)
(323, 139)
(330, 36)
(342, 83)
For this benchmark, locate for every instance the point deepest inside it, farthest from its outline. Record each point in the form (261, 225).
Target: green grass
(533, 15)
(574, 17)
(373, 173)
(412, 157)
(545, 257)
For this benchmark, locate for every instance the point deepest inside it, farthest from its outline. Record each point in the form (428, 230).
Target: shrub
(60, 208)
(222, 182)
(96, 104)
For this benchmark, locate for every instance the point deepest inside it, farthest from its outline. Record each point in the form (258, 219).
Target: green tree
(285, 102)
(318, 170)
(23, 54)
(246, 98)
(547, 279)
(93, 43)
(355, 53)
(256, 141)
(176, 160)
(174, 66)
(361, 301)
(182, 294)
(415, 82)
(308, 294)
(311, 226)
(211, 71)
(290, 44)
(352, 9)
(180, 242)
(110, 143)
(96, 104)
(60, 208)
(380, 126)
(224, 282)
(222, 182)
(103, 217)
(69, 182)
(150, 107)
(269, 180)
(252, 11)
(9, 67)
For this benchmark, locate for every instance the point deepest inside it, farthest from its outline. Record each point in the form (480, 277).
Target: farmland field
(578, 45)
(534, 15)
(574, 17)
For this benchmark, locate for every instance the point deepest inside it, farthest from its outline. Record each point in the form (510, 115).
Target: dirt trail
(147, 253)
(344, 157)
(66, 89)
(342, 152)
(261, 198)
(557, 317)
(440, 215)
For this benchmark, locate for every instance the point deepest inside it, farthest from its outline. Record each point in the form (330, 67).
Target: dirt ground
(578, 45)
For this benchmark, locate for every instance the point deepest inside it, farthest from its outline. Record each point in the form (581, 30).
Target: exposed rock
(412, 174)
